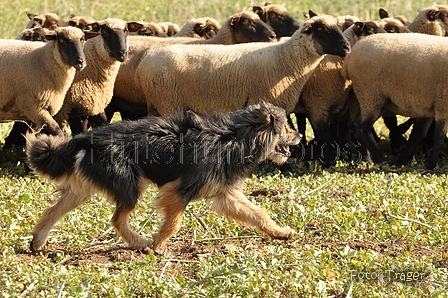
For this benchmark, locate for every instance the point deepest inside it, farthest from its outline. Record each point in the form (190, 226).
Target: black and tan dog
(188, 156)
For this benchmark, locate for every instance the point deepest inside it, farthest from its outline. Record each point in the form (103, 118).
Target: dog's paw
(141, 244)
(284, 233)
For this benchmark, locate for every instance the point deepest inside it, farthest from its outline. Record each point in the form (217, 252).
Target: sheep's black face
(115, 41)
(328, 39)
(283, 24)
(248, 29)
(71, 50)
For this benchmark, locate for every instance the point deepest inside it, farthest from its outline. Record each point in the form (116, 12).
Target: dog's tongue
(284, 150)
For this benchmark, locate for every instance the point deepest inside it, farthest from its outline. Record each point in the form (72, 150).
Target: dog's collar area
(283, 150)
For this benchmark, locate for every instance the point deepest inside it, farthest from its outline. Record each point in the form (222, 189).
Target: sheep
(150, 29)
(277, 18)
(129, 99)
(169, 28)
(92, 87)
(205, 28)
(25, 98)
(48, 20)
(323, 98)
(393, 25)
(431, 20)
(346, 21)
(391, 85)
(82, 22)
(34, 34)
(235, 76)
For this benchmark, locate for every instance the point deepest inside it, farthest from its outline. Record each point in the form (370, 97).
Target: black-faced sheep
(92, 87)
(23, 97)
(82, 22)
(150, 29)
(390, 85)
(169, 28)
(393, 25)
(323, 97)
(277, 18)
(34, 34)
(48, 20)
(129, 99)
(206, 78)
(205, 28)
(432, 20)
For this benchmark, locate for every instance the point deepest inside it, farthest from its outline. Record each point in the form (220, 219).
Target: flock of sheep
(324, 68)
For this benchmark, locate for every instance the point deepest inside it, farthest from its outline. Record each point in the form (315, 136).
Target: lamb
(323, 98)
(391, 86)
(205, 28)
(129, 99)
(206, 78)
(277, 18)
(92, 87)
(22, 96)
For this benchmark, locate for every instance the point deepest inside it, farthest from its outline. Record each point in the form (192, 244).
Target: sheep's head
(207, 28)
(49, 21)
(114, 33)
(248, 27)
(432, 20)
(70, 43)
(326, 36)
(277, 18)
(151, 29)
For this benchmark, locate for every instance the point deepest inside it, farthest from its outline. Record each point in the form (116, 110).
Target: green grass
(350, 220)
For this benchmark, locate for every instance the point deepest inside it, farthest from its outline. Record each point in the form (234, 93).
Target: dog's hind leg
(172, 207)
(69, 198)
(234, 204)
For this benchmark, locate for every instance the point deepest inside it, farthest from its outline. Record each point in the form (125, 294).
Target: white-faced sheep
(206, 78)
(323, 97)
(129, 99)
(22, 96)
(277, 18)
(92, 87)
(391, 85)
(205, 28)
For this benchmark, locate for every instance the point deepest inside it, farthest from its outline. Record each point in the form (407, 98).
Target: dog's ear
(274, 116)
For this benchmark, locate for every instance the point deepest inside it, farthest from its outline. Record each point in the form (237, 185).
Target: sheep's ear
(94, 27)
(71, 23)
(432, 14)
(51, 35)
(258, 10)
(383, 14)
(90, 34)
(30, 15)
(358, 27)
(134, 26)
(234, 21)
(307, 29)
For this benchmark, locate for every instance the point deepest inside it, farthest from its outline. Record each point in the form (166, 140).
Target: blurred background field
(13, 17)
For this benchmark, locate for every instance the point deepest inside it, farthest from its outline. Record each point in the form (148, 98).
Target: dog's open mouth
(283, 150)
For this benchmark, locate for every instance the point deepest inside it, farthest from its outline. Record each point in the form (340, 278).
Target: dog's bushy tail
(50, 156)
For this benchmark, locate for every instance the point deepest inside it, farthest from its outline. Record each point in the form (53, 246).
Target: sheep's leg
(44, 120)
(439, 138)
(234, 204)
(366, 138)
(419, 131)
(323, 137)
(69, 199)
(396, 138)
(15, 137)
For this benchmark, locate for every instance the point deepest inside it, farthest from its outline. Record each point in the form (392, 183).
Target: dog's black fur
(188, 156)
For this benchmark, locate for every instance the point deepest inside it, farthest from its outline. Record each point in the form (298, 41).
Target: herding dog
(188, 156)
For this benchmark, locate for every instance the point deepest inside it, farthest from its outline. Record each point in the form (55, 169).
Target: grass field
(361, 232)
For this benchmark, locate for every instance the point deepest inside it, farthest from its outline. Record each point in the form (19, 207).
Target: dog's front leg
(234, 204)
(120, 220)
(172, 207)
